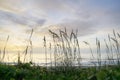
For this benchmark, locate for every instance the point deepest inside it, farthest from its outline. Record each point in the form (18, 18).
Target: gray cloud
(83, 27)
(7, 17)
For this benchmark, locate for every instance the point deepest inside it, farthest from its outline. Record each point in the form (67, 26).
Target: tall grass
(92, 58)
(98, 52)
(111, 50)
(45, 50)
(50, 49)
(4, 50)
(116, 45)
(66, 49)
(29, 47)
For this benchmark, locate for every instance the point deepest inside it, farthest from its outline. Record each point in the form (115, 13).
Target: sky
(92, 18)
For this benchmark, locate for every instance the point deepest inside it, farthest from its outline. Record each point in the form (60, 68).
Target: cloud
(8, 17)
(86, 16)
(83, 27)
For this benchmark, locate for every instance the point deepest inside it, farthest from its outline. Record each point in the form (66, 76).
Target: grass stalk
(4, 50)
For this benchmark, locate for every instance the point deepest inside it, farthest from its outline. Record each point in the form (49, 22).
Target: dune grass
(66, 62)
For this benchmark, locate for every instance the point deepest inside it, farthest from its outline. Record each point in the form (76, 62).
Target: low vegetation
(27, 72)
